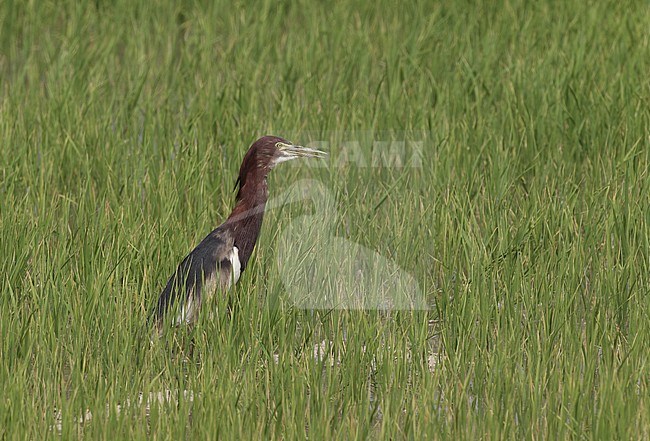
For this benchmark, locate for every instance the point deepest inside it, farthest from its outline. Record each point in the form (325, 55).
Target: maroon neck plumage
(245, 221)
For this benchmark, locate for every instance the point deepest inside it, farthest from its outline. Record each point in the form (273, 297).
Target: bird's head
(269, 151)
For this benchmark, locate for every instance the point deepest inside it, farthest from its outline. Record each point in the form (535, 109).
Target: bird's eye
(282, 145)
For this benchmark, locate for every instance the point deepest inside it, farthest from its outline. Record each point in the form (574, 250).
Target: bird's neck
(246, 218)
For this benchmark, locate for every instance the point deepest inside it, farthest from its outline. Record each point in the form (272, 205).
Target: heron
(218, 261)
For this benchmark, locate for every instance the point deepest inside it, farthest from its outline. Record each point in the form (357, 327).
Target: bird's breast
(235, 264)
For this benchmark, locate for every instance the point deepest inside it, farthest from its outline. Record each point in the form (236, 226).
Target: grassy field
(520, 205)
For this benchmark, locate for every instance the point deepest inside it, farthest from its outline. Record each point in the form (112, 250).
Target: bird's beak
(290, 151)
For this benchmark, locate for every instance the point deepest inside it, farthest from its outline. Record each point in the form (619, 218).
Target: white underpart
(236, 266)
(187, 312)
(285, 157)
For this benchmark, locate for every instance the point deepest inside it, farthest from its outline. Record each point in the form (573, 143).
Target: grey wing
(209, 263)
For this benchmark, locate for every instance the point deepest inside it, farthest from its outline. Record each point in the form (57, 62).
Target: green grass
(526, 223)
